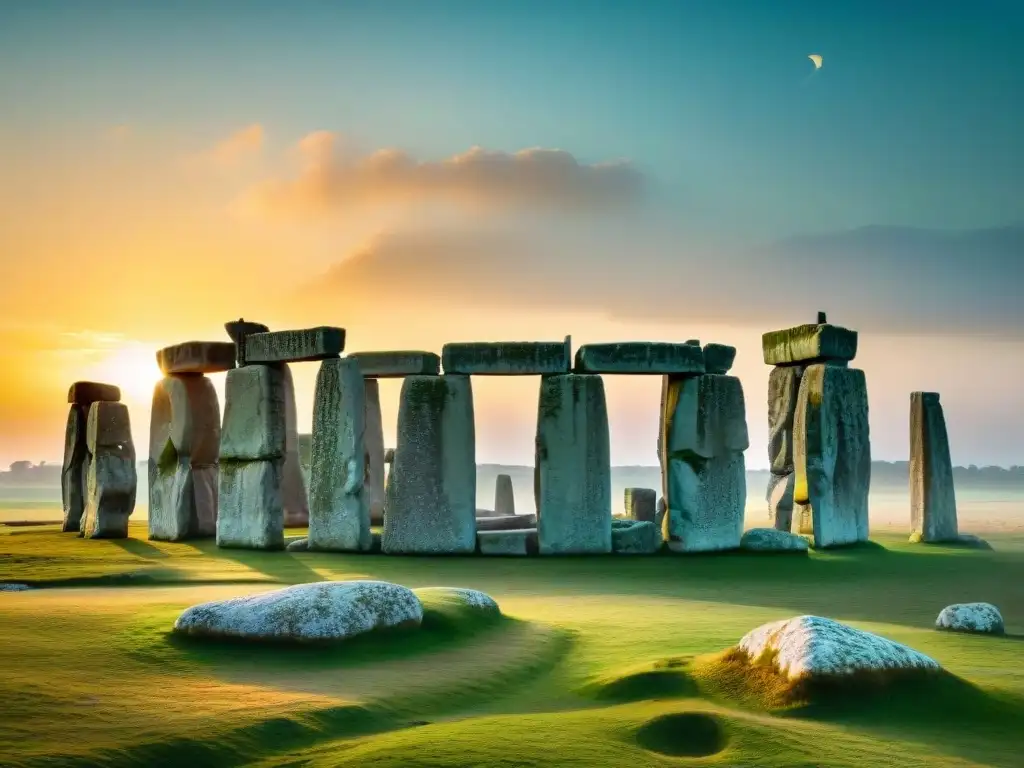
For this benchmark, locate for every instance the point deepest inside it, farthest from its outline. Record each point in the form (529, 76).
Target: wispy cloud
(238, 147)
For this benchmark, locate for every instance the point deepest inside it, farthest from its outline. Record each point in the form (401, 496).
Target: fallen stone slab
(294, 346)
(809, 344)
(507, 358)
(718, 358)
(398, 364)
(321, 611)
(468, 598)
(932, 496)
(254, 424)
(976, 618)
(519, 543)
(504, 495)
(812, 646)
(640, 357)
(74, 468)
(197, 357)
(641, 503)
(250, 514)
(506, 522)
(112, 478)
(88, 392)
(772, 540)
(639, 537)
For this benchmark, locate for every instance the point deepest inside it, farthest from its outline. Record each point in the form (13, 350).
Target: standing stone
(112, 478)
(832, 453)
(184, 447)
(431, 491)
(780, 500)
(932, 497)
(504, 496)
(252, 451)
(641, 504)
(293, 483)
(573, 466)
(374, 445)
(783, 386)
(75, 468)
(339, 516)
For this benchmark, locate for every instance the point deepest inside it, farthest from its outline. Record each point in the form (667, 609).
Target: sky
(429, 171)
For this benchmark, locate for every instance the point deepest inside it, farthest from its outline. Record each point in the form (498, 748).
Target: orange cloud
(332, 180)
(239, 146)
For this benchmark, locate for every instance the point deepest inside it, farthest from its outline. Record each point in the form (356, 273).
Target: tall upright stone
(504, 496)
(373, 442)
(832, 453)
(252, 452)
(339, 515)
(112, 478)
(293, 483)
(184, 450)
(783, 386)
(431, 490)
(75, 469)
(641, 504)
(932, 496)
(573, 470)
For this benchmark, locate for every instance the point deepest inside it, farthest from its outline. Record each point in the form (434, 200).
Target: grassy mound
(664, 679)
(683, 734)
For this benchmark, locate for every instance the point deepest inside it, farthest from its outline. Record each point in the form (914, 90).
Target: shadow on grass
(140, 548)
(282, 567)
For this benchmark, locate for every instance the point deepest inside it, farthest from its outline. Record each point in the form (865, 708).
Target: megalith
(293, 484)
(252, 451)
(112, 478)
(431, 490)
(574, 511)
(373, 442)
(339, 513)
(783, 386)
(832, 453)
(504, 496)
(75, 469)
(641, 504)
(184, 449)
(932, 497)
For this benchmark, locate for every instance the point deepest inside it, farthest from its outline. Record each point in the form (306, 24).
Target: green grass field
(598, 662)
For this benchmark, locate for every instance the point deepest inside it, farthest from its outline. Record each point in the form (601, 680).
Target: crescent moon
(816, 59)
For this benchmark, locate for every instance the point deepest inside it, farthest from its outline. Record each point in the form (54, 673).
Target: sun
(133, 368)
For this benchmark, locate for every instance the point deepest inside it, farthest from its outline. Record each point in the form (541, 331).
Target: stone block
(932, 496)
(239, 329)
(507, 358)
(780, 501)
(73, 474)
(573, 461)
(772, 540)
(807, 344)
(373, 441)
(706, 500)
(641, 503)
(293, 482)
(520, 543)
(197, 357)
(709, 417)
(783, 386)
(108, 427)
(505, 522)
(504, 496)
(254, 414)
(294, 346)
(640, 357)
(430, 505)
(112, 478)
(339, 516)
(718, 358)
(641, 537)
(397, 364)
(832, 453)
(250, 514)
(88, 392)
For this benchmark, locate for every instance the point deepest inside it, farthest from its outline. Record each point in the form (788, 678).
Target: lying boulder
(14, 587)
(812, 646)
(520, 542)
(469, 598)
(297, 545)
(506, 522)
(326, 610)
(772, 540)
(635, 537)
(977, 618)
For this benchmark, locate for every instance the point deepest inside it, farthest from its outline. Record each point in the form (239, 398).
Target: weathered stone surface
(184, 440)
(520, 542)
(718, 358)
(709, 417)
(506, 522)
(504, 496)
(250, 514)
(772, 540)
(932, 496)
(293, 481)
(431, 494)
(294, 346)
(88, 392)
(573, 458)
(706, 500)
(640, 357)
(112, 478)
(397, 364)
(812, 646)
(507, 358)
(73, 471)
(339, 516)
(238, 330)
(783, 387)
(640, 537)
(803, 519)
(373, 442)
(659, 514)
(809, 344)
(389, 456)
(780, 501)
(641, 503)
(197, 357)
(298, 545)
(468, 598)
(323, 610)
(978, 618)
(832, 453)
(14, 587)
(254, 414)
